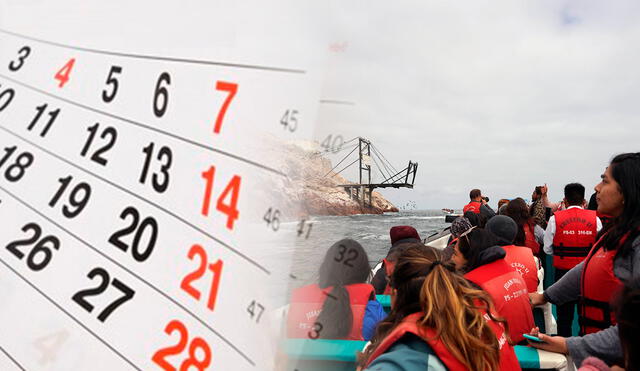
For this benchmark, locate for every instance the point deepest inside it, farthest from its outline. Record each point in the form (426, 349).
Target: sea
(371, 231)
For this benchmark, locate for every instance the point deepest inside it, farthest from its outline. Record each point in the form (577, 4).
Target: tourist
(482, 261)
(529, 233)
(458, 227)
(479, 204)
(569, 236)
(341, 305)
(614, 260)
(438, 321)
(520, 258)
(399, 235)
(537, 210)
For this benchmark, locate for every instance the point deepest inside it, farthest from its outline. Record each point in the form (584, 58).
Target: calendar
(138, 154)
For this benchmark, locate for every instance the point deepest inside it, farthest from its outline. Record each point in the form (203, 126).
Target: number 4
(63, 74)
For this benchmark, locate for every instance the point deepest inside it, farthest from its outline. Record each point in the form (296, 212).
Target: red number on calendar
(63, 74)
(215, 268)
(232, 191)
(230, 88)
(191, 361)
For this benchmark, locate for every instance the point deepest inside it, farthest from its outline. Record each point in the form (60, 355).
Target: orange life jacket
(576, 231)
(306, 305)
(597, 286)
(530, 238)
(472, 206)
(508, 360)
(509, 293)
(521, 259)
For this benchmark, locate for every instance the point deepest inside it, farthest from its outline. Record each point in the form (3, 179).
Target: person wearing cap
(458, 227)
(520, 258)
(400, 234)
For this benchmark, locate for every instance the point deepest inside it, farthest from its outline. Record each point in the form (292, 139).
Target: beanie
(503, 227)
(401, 232)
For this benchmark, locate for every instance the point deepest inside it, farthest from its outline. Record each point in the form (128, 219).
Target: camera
(486, 198)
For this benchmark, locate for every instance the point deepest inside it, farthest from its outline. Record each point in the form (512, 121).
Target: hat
(400, 232)
(459, 226)
(503, 227)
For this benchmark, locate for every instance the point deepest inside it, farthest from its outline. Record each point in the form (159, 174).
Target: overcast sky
(496, 95)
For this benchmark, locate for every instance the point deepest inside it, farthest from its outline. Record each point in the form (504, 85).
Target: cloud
(498, 95)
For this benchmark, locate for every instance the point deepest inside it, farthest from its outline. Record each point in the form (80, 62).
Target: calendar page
(138, 160)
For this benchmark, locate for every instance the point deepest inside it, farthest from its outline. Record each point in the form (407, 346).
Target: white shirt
(551, 231)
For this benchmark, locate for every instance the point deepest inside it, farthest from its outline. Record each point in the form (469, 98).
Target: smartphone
(532, 338)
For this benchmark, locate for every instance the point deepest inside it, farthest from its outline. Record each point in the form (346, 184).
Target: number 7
(232, 89)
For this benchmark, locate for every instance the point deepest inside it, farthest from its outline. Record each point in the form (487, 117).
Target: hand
(556, 344)
(536, 299)
(544, 189)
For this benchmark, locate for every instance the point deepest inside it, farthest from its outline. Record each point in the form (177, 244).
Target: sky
(496, 95)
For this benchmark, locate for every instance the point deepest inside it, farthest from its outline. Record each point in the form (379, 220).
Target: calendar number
(42, 252)
(196, 344)
(78, 197)
(161, 95)
(112, 82)
(216, 270)
(103, 276)
(109, 134)
(232, 191)
(40, 110)
(63, 74)
(6, 96)
(16, 170)
(23, 53)
(148, 226)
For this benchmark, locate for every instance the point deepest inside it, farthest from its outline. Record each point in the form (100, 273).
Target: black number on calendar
(15, 170)
(332, 144)
(272, 217)
(41, 253)
(304, 225)
(161, 95)
(160, 179)
(23, 53)
(78, 197)
(289, 120)
(6, 96)
(148, 226)
(52, 117)
(108, 135)
(112, 81)
(103, 276)
(255, 310)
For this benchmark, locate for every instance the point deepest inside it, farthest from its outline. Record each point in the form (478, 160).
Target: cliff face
(315, 190)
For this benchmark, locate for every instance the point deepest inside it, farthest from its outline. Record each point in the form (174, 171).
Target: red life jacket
(521, 259)
(604, 219)
(306, 305)
(530, 238)
(508, 359)
(472, 206)
(509, 293)
(598, 285)
(576, 231)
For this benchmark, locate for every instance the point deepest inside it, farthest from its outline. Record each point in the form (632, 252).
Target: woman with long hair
(614, 260)
(341, 305)
(437, 319)
(529, 233)
(478, 255)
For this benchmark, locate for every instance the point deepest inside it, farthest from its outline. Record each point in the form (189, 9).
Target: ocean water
(371, 231)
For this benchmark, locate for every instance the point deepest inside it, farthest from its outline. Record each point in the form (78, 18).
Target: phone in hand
(532, 338)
